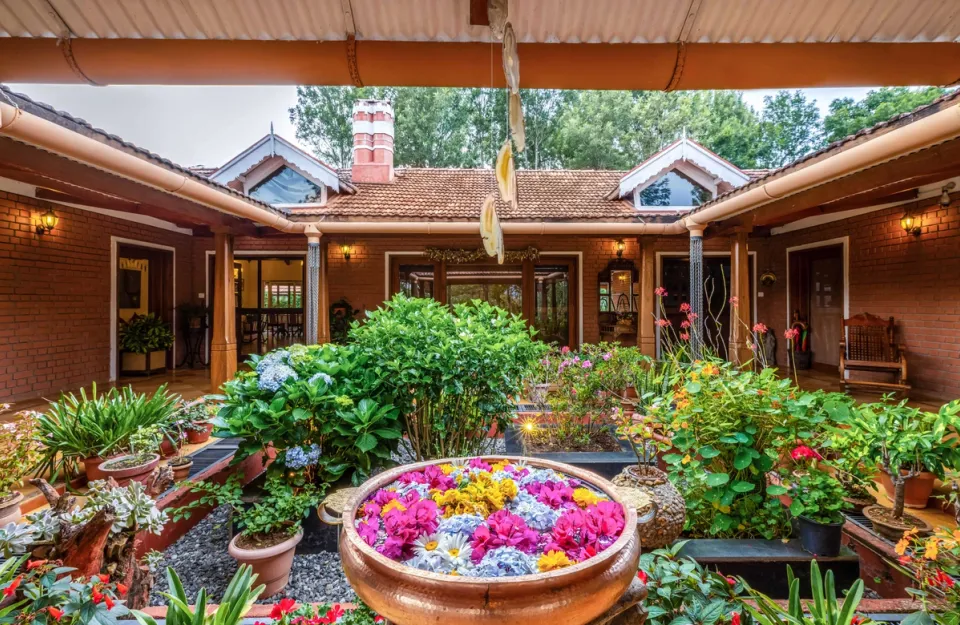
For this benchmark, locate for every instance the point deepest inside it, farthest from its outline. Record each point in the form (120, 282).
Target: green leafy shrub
(237, 599)
(822, 610)
(79, 427)
(145, 333)
(311, 399)
(453, 375)
(816, 495)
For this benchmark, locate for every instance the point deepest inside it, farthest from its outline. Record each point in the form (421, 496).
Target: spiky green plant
(237, 599)
(822, 610)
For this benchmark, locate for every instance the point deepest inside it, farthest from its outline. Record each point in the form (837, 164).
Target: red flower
(55, 613)
(943, 580)
(12, 588)
(122, 589)
(108, 602)
(684, 324)
(35, 564)
(734, 618)
(96, 595)
(685, 307)
(378, 619)
(802, 451)
(792, 334)
(856, 620)
(731, 581)
(642, 576)
(660, 291)
(760, 328)
(333, 614)
(734, 300)
(663, 323)
(284, 607)
(905, 560)
(104, 578)
(684, 336)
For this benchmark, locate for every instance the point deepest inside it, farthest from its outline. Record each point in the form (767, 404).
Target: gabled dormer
(680, 177)
(277, 172)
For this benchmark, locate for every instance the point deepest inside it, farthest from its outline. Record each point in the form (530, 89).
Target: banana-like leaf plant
(822, 610)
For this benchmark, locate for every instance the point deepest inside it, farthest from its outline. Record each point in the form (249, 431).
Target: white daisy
(427, 546)
(455, 548)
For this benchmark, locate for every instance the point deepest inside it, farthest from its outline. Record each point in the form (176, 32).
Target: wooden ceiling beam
(478, 13)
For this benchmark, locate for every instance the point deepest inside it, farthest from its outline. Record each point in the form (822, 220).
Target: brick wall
(55, 295)
(915, 279)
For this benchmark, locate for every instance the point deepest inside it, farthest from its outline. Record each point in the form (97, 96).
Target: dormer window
(285, 186)
(673, 189)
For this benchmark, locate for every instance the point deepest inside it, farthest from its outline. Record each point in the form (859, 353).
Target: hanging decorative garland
(457, 257)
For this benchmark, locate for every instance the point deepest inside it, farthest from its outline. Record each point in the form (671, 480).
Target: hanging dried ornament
(506, 175)
(497, 16)
(511, 61)
(517, 130)
(490, 230)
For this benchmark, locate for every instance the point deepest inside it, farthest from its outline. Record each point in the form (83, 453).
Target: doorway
(144, 286)
(817, 298)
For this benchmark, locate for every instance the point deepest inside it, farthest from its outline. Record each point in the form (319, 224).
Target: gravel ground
(201, 560)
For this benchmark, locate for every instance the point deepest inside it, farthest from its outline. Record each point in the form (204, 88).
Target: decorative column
(696, 289)
(646, 330)
(323, 306)
(223, 344)
(740, 312)
(312, 291)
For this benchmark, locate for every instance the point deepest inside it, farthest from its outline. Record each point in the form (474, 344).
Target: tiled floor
(813, 379)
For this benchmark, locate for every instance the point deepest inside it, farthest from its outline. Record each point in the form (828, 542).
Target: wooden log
(84, 549)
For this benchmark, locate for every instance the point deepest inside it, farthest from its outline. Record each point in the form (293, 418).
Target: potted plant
(198, 420)
(19, 452)
(905, 443)
(933, 563)
(137, 465)
(816, 502)
(96, 427)
(144, 341)
(846, 451)
(181, 464)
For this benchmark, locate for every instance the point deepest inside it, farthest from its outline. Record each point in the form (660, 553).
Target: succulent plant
(133, 508)
(16, 538)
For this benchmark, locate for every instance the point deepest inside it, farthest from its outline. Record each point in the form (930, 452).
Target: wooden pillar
(646, 330)
(323, 331)
(223, 345)
(740, 313)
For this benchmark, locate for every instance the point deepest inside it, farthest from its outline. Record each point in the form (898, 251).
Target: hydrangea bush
(478, 519)
(321, 407)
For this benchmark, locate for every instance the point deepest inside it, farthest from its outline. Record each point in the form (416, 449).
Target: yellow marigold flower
(684, 425)
(584, 497)
(901, 547)
(393, 504)
(447, 469)
(553, 561)
(499, 466)
(509, 488)
(932, 549)
(686, 459)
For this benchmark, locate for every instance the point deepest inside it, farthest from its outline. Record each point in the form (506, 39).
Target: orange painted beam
(469, 64)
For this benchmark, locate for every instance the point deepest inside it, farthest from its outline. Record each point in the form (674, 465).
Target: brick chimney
(373, 141)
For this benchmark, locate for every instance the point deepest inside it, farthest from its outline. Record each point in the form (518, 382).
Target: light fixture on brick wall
(620, 247)
(47, 222)
(345, 249)
(945, 195)
(910, 223)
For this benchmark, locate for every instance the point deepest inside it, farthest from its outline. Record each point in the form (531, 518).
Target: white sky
(210, 125)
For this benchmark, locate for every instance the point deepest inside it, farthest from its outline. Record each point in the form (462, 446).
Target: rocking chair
(867, 344)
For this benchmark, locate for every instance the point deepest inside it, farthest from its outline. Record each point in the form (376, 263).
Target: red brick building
(286, 237)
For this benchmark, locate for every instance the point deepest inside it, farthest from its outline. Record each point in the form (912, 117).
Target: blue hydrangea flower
(301, 457)
(538, 516)
(273, 377)
(505, 562)
(278, 357)
(422, 489)
(460, 524)
(316, 377)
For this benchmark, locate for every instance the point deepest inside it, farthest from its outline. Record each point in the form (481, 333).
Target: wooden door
(826, 306)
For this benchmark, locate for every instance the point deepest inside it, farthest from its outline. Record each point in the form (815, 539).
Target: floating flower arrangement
(477, 519)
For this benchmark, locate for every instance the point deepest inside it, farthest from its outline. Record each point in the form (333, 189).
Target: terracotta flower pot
(917, 490)
(891, 529)
(181, 471)
(271, 565)
(194, 437)
(125, 474)
(167, 448)
(10, 508)
(574, 595)
(91, 466)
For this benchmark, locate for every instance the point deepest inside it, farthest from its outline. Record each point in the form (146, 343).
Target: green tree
(594, 131)
(789, 128)
(431, 126)
(848, 116)
(323, 119)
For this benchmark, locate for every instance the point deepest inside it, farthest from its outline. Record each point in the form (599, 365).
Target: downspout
(936, 128)
(46, 135)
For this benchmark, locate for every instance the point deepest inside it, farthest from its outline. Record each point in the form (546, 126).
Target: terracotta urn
(916, 490)
(575, 595)
(123, 470)
(196, 437)
(10, 508)
(271, 565)
(670, 510)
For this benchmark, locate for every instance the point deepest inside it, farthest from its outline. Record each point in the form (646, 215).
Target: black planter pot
(818, 538)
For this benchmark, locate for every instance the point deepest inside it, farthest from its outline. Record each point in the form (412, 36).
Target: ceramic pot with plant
(816, 502)
(144, 341)
(176, 434)
(197, 417)
(905, 442)
(134, 467)
(19, 452)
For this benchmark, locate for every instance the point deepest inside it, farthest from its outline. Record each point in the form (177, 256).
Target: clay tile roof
(457, 194)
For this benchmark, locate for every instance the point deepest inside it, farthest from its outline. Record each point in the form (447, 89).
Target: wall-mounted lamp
(620, 247)
(47, 222)
(910, 223)
(345, 249)
(945, 196)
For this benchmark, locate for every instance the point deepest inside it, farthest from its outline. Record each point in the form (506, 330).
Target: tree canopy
(452, 127)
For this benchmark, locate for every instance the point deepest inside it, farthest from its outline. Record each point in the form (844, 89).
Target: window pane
(282, 281)
(674, 189)
(245, 282)
(498, 284)
(286, 186)
(552, 318)
(416, 280)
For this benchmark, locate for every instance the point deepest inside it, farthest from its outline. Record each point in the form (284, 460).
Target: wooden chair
(867, 344)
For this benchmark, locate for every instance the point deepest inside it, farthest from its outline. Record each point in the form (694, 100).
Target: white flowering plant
(320, 407)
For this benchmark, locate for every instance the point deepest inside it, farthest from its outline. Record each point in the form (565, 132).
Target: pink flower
(801, 452)
(553, 494)
(586, 364)
(664, 323)
(642, 576)
(604, 523)
(368, 530)
(435, 479)
(685, 307)
(692, 316)
(502, 529)
(792, 334)
(565, 350)
(607, 356)
(734, 300)
(684, 324)
(660, 291)
(684, 336)
(760, 328)
(751, 346)
(477, 463)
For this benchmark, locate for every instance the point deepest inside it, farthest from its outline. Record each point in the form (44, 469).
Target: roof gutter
(923, 133)
(36, 131)
(509, 227)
